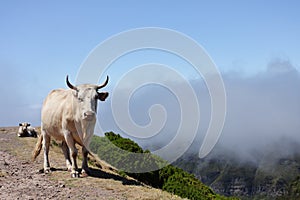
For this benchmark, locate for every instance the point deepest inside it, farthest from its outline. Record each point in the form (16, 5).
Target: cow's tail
(38, 148)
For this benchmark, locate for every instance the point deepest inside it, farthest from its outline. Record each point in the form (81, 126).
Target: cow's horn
(69, 84)
(104, 84)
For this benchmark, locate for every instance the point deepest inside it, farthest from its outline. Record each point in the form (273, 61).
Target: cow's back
(56, 110)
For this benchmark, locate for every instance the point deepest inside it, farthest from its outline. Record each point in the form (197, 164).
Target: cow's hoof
(69, 168)
(47, 171)
(75, 175)
(85, 172)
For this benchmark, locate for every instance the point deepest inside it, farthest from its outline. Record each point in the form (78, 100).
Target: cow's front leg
(71, 144)
(66, 152)
(85, 168)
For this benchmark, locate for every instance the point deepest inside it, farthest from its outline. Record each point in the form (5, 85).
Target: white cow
(25, 130)
(70, 116)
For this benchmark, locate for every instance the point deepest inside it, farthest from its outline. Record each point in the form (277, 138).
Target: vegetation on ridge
(168, 178)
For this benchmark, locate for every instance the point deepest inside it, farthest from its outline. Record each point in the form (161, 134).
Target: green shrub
(118, 152)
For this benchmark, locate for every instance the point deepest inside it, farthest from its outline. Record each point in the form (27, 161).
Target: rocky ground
(20, 178)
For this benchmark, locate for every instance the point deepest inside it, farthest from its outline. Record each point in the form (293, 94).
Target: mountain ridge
(273, 174)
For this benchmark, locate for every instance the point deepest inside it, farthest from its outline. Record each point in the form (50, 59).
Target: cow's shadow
(97, 173)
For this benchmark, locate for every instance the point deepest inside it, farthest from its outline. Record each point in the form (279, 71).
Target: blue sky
(41, 42)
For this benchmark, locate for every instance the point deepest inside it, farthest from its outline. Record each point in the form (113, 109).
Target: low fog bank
(262, 110)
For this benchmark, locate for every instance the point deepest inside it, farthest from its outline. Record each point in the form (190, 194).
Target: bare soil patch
(20, 178)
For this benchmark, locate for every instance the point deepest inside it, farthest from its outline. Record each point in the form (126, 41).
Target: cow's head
(24, 125)
(86, 96)
(23, 129)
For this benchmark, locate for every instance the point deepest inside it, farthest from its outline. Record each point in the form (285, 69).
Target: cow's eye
(80, 99)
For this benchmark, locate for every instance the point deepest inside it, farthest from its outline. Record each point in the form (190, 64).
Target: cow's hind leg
(66, 152)
(46, 144)
(71, 144)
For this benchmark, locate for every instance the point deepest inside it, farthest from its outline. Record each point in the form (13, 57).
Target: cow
(26, 130)
(69, 115)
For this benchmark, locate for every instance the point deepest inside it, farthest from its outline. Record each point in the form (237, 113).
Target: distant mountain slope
(274, 175)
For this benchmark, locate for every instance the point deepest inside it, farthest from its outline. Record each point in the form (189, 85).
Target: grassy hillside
(169, 178)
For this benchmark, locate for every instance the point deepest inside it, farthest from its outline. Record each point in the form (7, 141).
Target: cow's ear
(102, 96)
(28, 124)
(20, 124)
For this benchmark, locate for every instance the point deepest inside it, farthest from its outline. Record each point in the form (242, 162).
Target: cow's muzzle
(89, 115)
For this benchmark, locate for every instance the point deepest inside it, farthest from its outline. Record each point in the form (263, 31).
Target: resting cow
(25, 130)
(70, 116)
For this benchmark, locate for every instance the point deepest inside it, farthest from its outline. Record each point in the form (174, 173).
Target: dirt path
(21, 179)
